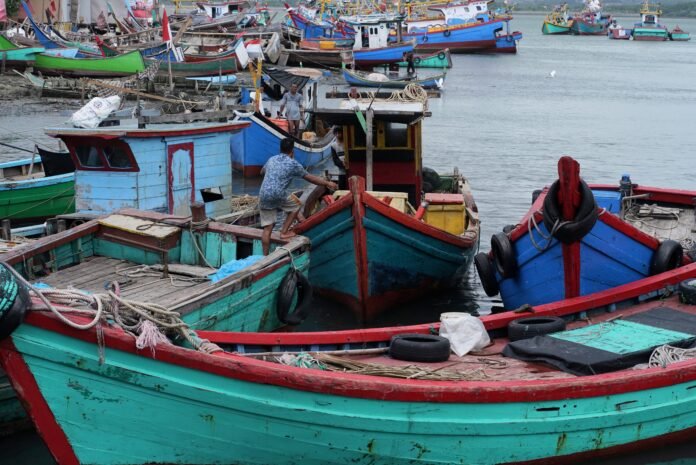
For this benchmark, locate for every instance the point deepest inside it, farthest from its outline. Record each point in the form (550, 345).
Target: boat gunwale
(110, 133)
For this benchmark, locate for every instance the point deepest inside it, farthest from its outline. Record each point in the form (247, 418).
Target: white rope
(666, 355)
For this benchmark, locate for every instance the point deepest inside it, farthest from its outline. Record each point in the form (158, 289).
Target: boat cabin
(383, 145)
(163, 168)
(215, 10)
(650, 14)
(373, 31)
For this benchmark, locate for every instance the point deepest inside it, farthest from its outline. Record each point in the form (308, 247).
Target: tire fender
(14, 301)
(504, 255)
(527, 328)
(584, 220)
(687, 291)
(293, 281)
(668, 256)
(419, 348)
(447, 33)
(486, 272)
(441, 55)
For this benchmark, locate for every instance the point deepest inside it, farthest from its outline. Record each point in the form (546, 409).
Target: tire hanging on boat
(585, 218)
(441, 55)
(668, 256)
(687, 291)
(14, 301)
(426, 348)
(293, 281)
(484, 268)
(503, 255)
(417, 60)
(527, 328)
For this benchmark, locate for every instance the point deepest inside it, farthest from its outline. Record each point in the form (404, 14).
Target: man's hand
(331, 185)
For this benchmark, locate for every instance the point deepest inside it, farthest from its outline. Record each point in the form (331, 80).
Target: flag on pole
(167, 37)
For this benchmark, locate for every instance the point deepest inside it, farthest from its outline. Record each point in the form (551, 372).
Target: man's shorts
(290, 205)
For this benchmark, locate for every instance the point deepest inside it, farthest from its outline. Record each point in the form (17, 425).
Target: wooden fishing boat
(126, 64)
(213, 67)
(30, 191)
(17, 57)
(441, 59)
(557, 22)
(355, 78)
(373, 248)
(239, 401)
(614, 236)
(678, 34)
(649, 27)
(617, 32)
(374, 45)
(317, 58)
(506, 42)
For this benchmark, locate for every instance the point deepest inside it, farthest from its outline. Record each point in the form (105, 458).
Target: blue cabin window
(93, 153)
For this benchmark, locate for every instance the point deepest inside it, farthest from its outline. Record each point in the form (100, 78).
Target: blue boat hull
(250, 149)
(381, 56)
(369, 256)
(459, 39)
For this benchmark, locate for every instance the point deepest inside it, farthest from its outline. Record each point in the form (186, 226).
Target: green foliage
(12, 7)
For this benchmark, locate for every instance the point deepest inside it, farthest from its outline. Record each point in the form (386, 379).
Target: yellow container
(327, 45)
(450, 218)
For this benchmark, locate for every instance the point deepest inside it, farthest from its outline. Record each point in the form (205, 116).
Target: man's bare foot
(288, 235)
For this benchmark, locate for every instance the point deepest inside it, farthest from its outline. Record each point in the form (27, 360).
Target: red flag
(166, 31)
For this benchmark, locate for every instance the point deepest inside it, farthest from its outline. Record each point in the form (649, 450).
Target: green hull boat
(25, 199)
(441, 59)
(215, 67)
(549, 28)
(117, 66)
(17, 57)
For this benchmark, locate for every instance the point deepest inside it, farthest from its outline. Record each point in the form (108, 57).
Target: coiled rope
(666, 355)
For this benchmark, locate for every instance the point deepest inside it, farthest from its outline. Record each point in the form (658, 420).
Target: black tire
(431, 178)
(447, 33)
(526, 328)
(508, 228)
(419, 348)
(14, 301)
(668, 256)
(584, 220)
(293, 281)
(504, 255)
(425, 39)
(687, 291)
(486, 272)
(441, 55)
(535, 195)
(417, 60)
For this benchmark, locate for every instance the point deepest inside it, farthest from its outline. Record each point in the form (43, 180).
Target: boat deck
(486, 365)
(664, 222)
(95, 273)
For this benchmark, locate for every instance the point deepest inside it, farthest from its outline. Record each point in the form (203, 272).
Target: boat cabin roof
(129, 128)
(343, 111)
(371, 20)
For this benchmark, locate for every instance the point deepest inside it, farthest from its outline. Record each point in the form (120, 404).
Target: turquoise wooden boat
(678, 34)
(373, 248)
(179, 406)
(441, 59)
(17, 57)
(31, 192)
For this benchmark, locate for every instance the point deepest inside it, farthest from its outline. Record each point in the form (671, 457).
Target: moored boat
(17, 57)
(373, 248)
(611, 238)
(33, 190)
(649, 27)
(441, 59)
(355, 78)
(679, 35)
(591, 21)
(558, 21)
(126, 64)
(466, 404)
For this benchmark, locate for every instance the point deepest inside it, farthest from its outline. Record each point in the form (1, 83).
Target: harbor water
(504, 120)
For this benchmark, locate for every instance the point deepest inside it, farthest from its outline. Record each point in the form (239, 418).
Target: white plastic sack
(377, 77)
(95, 112)
(465, 332)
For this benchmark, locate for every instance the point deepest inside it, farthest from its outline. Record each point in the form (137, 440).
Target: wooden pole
(368, 149)
(169, 68)
(33, 157)
(5, 230)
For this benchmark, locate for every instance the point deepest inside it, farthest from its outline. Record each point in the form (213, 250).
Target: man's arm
(283, 101)
(320, 181)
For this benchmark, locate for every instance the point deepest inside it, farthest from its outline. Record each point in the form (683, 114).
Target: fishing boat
(558, 21)
(314, 28)
(17, 57)
(464, 38)
(252, 148)
(212, 67)
(126, 64)
(506, 42)
(679, 35)
(373, 248)
(441, 59)
(591, 21)
(32, 189)
(618, 32)
(579, 239)
(649, 27)
(356, 78)
(373, 45)
(238, 401)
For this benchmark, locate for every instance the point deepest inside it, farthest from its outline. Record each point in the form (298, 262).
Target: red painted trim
(571, 269)
(99, 144)
(411, 223)
(341, 204)
(148, 133)
(357, 190)
(379, 388)
(657, 194)
(629, 230)
(171, 149)
(29, 394)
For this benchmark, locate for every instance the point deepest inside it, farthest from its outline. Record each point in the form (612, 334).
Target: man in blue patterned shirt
(278, 172)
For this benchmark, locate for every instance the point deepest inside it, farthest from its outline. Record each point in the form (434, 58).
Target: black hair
(286, 145)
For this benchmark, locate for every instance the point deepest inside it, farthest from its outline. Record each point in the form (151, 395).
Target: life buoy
(447, 33)
(526, 328)
(293, 281)
(668, 256)
(584, 220)
(416, 60)
(441, 55)
(486, 273)
(14, 301)
(419, 348)
(503, 255)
